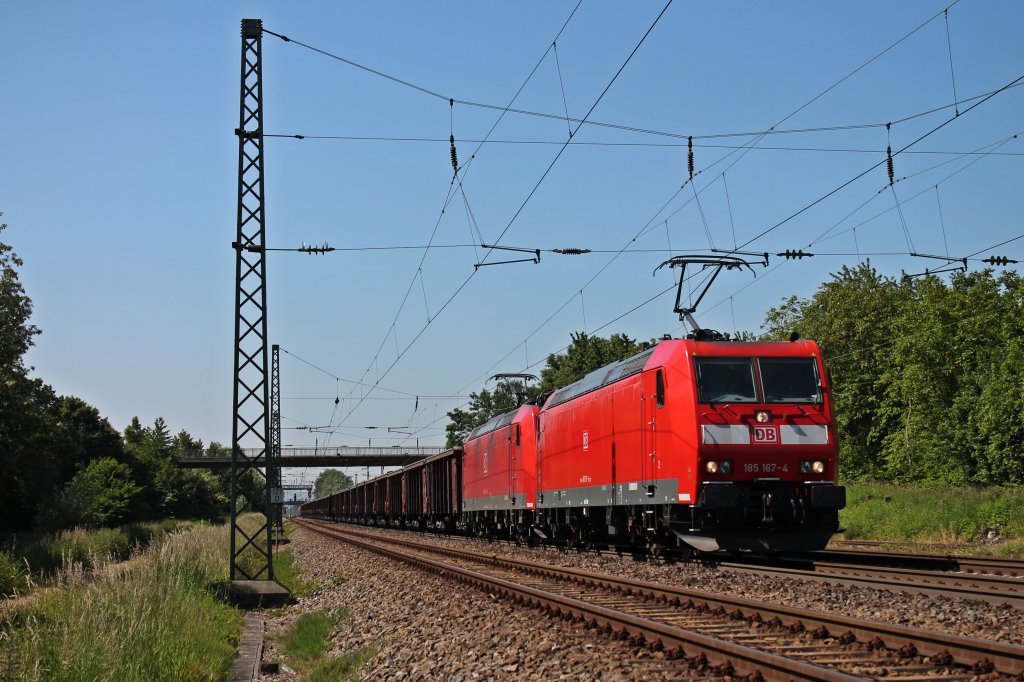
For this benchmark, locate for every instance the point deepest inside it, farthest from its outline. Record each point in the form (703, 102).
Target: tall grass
(876, 511)
(158, 621)
(37, 557)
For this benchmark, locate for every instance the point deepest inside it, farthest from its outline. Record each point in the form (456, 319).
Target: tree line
(61, 462)
(927, 378)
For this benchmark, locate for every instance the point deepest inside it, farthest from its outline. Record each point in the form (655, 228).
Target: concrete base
(251, 594)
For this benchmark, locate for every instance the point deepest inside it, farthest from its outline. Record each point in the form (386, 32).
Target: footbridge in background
(341, 456)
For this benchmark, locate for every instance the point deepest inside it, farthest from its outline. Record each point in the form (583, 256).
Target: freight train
(703, 445)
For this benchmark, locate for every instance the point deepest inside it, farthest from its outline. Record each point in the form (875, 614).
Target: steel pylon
(250, 551)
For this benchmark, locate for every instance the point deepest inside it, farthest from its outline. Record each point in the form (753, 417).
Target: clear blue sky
(118, 161)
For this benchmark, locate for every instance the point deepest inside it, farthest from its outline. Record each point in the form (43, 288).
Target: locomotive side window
(725, 380)
(789, 380)
(659, 388)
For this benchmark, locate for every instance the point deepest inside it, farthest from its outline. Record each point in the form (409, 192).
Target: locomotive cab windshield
(725, 380)
(757, 380)
(790, 380)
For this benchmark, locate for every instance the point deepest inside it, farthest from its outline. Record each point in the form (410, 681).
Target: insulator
(790, 254)
(571, 252)
(888, 152)
(455, 156)
(689, 155)
(998, 260)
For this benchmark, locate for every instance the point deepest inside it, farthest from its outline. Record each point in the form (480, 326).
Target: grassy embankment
(27, 560)
(960, 517)
(160, 619)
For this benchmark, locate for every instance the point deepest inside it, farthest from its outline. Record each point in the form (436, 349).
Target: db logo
(766, 434)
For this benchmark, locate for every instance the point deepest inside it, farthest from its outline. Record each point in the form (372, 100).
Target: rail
(908, 649)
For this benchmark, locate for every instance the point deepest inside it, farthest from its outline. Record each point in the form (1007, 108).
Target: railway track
(712, 635)
(935, 562)
(993, 582)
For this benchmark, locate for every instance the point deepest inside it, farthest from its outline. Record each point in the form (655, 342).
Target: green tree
(951, 343)
(104, 494)
(27, 429)
(215, 449)
(28, 461)
(134, 434)
(169, 490)
(482, 406)
(57, 452)
(585, 354)
(16, 333)
(83, 435)
(851, 317)
(183, 445)
(330, 481)
(926, 382)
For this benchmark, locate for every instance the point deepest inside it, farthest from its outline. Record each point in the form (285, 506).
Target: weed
(305, 643)
(12, 574)
(344, 667)
(290, 575)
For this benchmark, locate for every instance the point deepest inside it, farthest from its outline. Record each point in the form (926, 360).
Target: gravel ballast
(427, 627)
(966, 617)
(431, 628)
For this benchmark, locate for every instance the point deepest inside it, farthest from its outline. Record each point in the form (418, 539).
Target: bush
(12, 574)
(71, 547)
(104, 493)
(110, 544)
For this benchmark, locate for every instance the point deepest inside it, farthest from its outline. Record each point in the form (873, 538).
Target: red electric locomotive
(722, 445)
(499, 471)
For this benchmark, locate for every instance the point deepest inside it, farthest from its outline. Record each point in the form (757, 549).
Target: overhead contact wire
(538, 184)
(672, 198)
(456, 178)
(873, 167)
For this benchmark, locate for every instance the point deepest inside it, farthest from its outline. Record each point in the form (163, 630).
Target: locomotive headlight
(718, 466)
(807, 466)
(763, 416)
